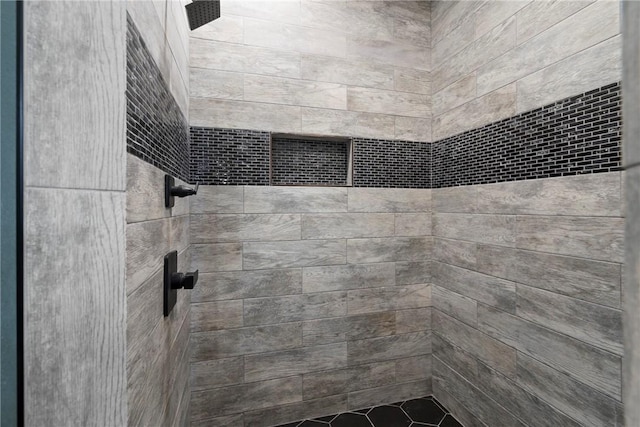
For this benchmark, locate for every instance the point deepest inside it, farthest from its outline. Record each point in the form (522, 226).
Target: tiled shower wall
(311, 301)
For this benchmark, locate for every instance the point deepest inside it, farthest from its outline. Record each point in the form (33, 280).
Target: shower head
(202, 12)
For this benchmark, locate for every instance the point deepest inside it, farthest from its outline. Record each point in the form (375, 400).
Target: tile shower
(477, 256)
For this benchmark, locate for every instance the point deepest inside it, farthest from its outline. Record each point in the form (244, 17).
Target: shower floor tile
(425, 411)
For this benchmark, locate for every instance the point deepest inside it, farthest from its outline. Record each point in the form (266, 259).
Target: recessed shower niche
(310, 160)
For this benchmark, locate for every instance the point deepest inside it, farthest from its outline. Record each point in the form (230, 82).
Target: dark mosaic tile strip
(426, 411)
(308, 162)
(577, 135)
(385, 163)
(229, 156)
(157, 131)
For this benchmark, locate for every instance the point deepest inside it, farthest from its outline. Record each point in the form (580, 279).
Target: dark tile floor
(425, 411)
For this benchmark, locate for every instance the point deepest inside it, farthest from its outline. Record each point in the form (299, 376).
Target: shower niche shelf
(310, 160)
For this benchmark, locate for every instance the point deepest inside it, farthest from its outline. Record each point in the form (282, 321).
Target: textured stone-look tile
(580, 278)
(386, 348)
(218, 199)
(350, 72)
(293, 38)
(581, 195)
(413, 320)
(496, 105)
(520, 402)
(474, 400)
(206, 83)
(482, 50)
(347, 225)
(288, 200)
(305, 253)
(579, 73)
(295, 92)
(210, 228)
(390, 393)
(491, 229)
(145, 197)
(242, 58)
(412, 129)
(216, 257)
(572, 397)
(243, 397)
(327, 383)
(412, 80)
(247, 284)
(281, 364)
(387, 102)
(412, 273)
(401, 200)
(487, 289)
(263, 311)
(413, 224)
(455, 252)
(237, 342)
(537, 17)
(217, 373)
(147, 244)
(595, 238)
(388, 249)
(464, 363)
(339, 329)
(457, 93)
(413, 368)
(480, 345)
(211, 112)
(594, 367)
(296, 411)
(211, 316)
(455, 305)
(351, 276)
(592, 323)
(388, 52)
(591, 25)
(341, 123)
(361, 301)
(227, 28)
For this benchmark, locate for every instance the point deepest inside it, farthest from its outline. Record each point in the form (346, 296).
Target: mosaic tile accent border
(577, 135)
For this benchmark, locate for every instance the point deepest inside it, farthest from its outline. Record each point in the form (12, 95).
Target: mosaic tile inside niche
(157, 131)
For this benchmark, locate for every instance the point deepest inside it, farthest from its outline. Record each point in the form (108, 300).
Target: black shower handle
(182, 280)
(184, 191)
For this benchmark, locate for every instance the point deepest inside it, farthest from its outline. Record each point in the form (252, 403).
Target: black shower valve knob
(184, 280)
(184, 191)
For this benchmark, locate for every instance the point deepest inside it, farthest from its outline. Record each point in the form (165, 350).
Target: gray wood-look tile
(351, 276)
(455, 252)
(216, 257)
(147, 244)
(334, 382)
(474, 400)
(223, 421)
(482, 346)
(213, 228)
(455, 305)
(144, 313)
(179, 237)
(413, 273)
(491, 14)
(337, 122)
(389, 249)
(412, 80)
(218, 199)
(244, 397)
(457, 39)
(491, 229)
(296, 411)
(594, 367)
(537, 17)
(455, 199)
(259, 199)
(304, 253)
(247, 284)
(360, 301)
(594, 324)
(388, 53)
(238, 342)
(413, 320)
(347, 225)
(464, 363)
(338, 329)
(351, 17)
(454, 95)
(227, 28)
(583, 403)
(446, 17)
(413, 368)
(207, 83)
(412, 224)
(145, 191)
(487, 289)
(387, 348)
(217, 373)
(412, 129)
(458, 410)
(212, 316)
(400, 200)
(588, 237)
(259, 367)
(581, 195)
(390, 393)
(588, 280)
(350, 72)
(292, 308)
(286, 91)
(380, 101)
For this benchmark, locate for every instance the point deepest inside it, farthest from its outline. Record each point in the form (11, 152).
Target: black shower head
(202, 12)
